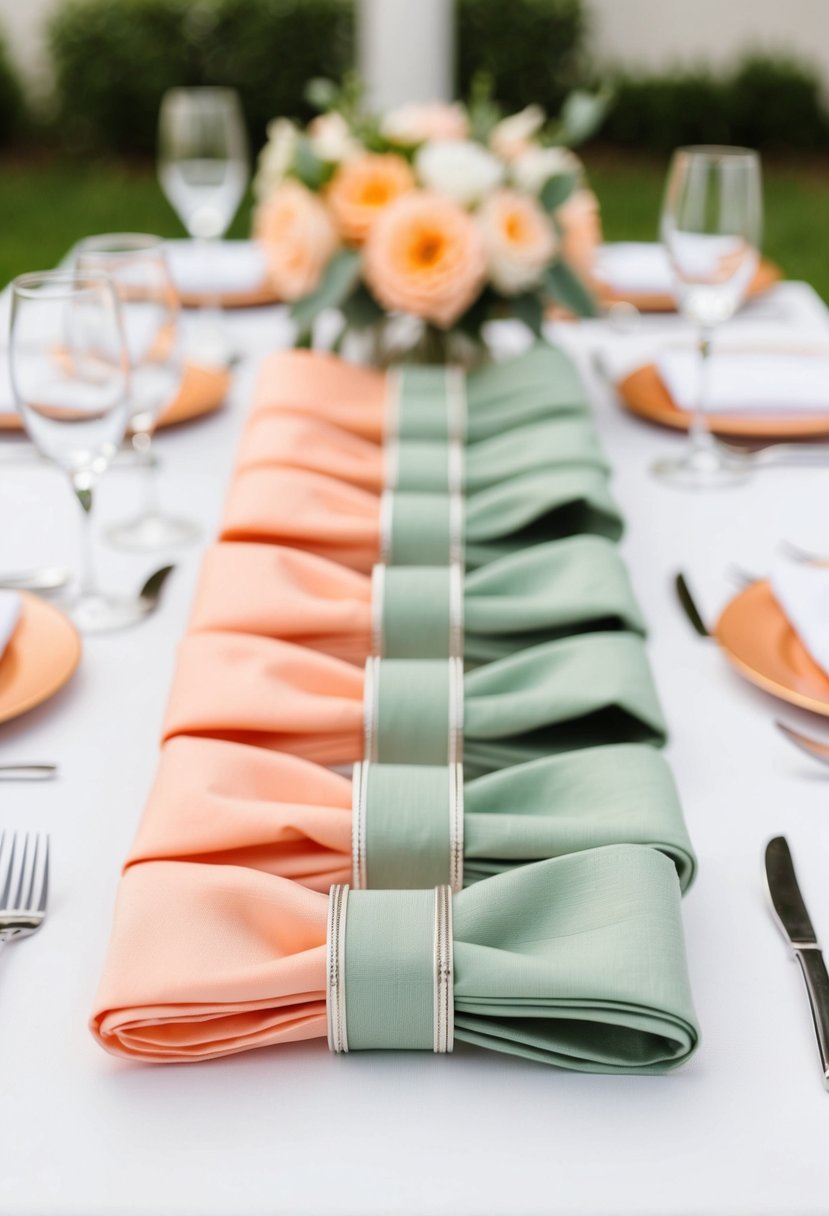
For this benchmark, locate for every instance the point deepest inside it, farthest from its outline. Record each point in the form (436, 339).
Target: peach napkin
(326, 387)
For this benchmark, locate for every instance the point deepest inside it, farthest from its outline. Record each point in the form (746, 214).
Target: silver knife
(793, 919)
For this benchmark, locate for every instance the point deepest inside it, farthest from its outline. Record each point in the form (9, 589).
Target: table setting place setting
(432, 488)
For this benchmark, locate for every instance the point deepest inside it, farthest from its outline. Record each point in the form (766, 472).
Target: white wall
(642, 33)
(656, 34)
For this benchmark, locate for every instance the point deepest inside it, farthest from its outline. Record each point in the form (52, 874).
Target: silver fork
(24, 885)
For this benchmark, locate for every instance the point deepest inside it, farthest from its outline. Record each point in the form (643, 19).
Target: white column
(406, 50)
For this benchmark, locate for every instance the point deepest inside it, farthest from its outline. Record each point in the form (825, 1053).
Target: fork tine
(44, 889)
(7, 886)
(18, 899)
(34, 874)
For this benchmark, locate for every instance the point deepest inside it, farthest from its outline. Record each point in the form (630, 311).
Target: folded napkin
(634, 267)
(10, 606)
(231, 804)
(568, 586)
(298, 442)
(577, 962)
(802, 591)
(575, 692)
(327, 517)
(217, 267)
(750, 381)
(535, 386)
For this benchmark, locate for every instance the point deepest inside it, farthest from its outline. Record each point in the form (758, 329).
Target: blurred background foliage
(111, 60)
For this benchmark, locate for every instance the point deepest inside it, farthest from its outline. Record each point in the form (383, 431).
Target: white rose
(537, 165)
(277, 156)
(459, 168)
(519, 239)
(512, 135)
(419, 121)
(331, 139)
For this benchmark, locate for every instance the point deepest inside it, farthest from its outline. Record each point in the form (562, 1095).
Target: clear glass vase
(405, 339)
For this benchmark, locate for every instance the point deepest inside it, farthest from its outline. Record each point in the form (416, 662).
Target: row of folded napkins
(233, 689)
(574, 585)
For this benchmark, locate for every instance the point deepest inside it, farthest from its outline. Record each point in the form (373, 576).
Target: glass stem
(702, 440)
(88, 580)
(142, 444)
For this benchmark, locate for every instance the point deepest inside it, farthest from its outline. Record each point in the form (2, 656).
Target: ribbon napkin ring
(421, 529)
(426, 403)
(389, 974)
(417, 612)
(406, 826)
(413, 711)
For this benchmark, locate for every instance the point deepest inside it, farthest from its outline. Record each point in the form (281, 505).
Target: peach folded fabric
(230, 804)
(325, 386)
(298, 442)
(269, 693)
(285, 593)
(305, 510)
(243, 967)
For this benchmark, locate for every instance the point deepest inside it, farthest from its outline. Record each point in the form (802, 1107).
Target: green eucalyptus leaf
(307, 166)
(322, 94)
(338, 282)
(528, 308)
(556, 190)
(567, 288)
(581, 116)
(361, 310)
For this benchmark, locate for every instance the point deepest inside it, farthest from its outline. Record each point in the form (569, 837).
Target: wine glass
(711, 224)
(203, 166)
(70, 377)
(137, 266)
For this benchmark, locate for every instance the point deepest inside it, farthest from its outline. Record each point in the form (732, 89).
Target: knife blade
(796, 926)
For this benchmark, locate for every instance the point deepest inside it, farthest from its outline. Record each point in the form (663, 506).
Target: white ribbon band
(334, 969)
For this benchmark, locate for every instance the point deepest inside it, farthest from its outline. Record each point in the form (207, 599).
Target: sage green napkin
(554, 443)
(577, 962)
(404, 832)
(533, 387)
(620, 793)
(571, 693)
(510, 515)
(575, 692)
(575, 585)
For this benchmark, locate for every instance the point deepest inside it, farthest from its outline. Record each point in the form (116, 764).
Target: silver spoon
(43, 578)
(28, 772)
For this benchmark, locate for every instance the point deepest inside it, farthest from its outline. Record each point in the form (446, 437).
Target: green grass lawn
(46, 206)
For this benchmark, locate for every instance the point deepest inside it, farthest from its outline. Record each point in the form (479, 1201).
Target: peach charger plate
(757, 638)
(42, 654)
(203, 389)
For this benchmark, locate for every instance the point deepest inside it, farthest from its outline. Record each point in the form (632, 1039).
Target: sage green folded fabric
(621, 793)
(538, 385)
(578, 584)
(565, 442)
(577, 962)
(574, 692)
(575, 585)
(404, 830)
(535, 507)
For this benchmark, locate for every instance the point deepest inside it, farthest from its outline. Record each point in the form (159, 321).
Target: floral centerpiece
(444, 215)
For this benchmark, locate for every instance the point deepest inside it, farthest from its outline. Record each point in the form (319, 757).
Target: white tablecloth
(742, 1129)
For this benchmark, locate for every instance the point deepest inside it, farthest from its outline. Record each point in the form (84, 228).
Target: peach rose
(425, 255)
(581, 230)
(519, 238)
(299, 238)
(363, 187)
(418, 122)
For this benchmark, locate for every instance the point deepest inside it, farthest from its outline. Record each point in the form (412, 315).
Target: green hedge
(12, 106)
(533, 49)
(113, 59)
(765, 102)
